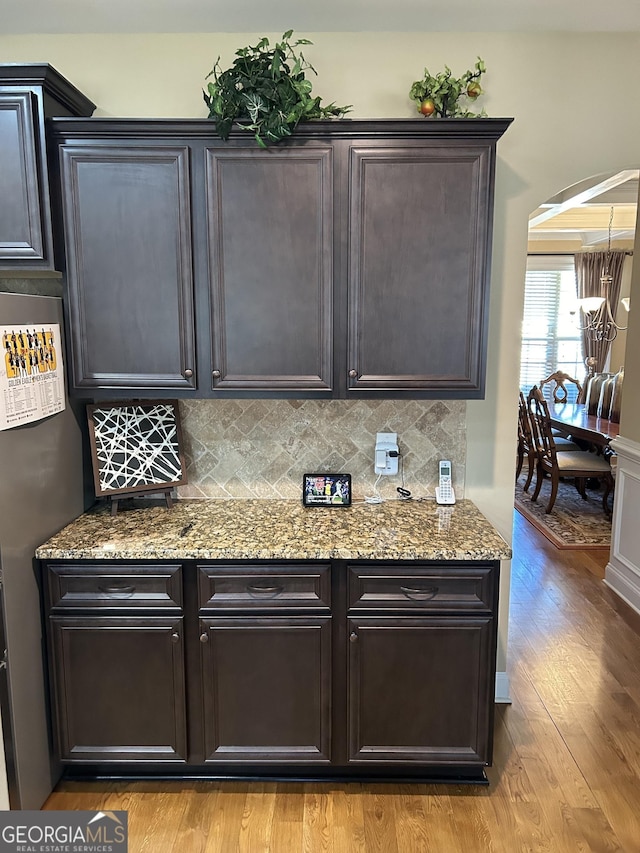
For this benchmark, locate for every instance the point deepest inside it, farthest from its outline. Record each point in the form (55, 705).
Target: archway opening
(598, 216)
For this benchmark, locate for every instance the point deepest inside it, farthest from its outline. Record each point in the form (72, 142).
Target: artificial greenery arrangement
(265, 92)
(440, 95)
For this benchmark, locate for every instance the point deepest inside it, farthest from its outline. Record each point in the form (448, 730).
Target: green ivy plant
(265, 92)
(441, 95)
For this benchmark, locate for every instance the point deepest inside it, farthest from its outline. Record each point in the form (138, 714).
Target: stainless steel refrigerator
(42, 488)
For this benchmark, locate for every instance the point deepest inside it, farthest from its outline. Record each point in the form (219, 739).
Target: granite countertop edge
(253, 529)
(265, 554)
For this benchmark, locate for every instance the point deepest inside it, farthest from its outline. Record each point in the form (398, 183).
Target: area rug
(573, 522)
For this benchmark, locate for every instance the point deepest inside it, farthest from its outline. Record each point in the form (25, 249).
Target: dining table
(573, 419)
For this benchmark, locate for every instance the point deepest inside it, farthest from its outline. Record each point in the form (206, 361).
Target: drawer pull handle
(204, 638)
(117, 590)
(420, 594)
(175, 637)
(353, 637)
(264, 591)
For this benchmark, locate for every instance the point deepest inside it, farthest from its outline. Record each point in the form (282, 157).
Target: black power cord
(405, 494)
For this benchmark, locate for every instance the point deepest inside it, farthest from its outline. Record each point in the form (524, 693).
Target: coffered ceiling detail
(582, 213)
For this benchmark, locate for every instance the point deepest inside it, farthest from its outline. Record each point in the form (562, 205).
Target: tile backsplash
(261, 448)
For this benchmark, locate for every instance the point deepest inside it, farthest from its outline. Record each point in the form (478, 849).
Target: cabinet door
(119, 688)
(129, 266)
(419, 690)
(420, 228)
(270, 229)
(22, 238)
(267, 685)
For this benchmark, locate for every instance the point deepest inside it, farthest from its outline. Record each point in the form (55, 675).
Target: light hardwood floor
(566, 773)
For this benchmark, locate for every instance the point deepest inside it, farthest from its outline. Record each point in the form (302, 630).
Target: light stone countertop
(240, 529)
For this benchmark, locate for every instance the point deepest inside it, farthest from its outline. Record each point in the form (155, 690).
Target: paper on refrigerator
(31, 374)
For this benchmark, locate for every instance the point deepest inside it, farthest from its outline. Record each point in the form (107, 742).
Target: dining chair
(577, 464)
(616, 397)
(526, 443)
(562, 442)
(593, 391)
(559, 391)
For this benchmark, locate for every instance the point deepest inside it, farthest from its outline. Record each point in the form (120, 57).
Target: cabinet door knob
(175, 637)
(353, 637)
(353, 374)
(204, 638)
(188, 373)
(216, 374)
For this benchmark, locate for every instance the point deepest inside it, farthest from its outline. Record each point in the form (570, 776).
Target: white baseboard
(628, 591)
(503, 693)
(622, 574)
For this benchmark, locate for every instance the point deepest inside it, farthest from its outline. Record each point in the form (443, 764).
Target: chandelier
(597, 318)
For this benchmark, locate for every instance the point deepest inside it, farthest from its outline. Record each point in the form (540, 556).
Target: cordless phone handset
(444, 489)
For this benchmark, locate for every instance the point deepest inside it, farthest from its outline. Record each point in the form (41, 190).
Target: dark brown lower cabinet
(314, 668)
(419, 690)
(267, 688)
(119, 688)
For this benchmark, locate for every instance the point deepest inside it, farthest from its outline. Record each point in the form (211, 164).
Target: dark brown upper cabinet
(28, 95)
(419, 242)
(270, 239)
(351, 261)
(129, 265)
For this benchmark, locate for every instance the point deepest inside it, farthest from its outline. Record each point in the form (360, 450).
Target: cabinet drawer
(73, 587)
(272, 587)
(424, 588)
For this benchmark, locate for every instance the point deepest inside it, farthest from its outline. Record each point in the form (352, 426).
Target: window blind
(551, 339)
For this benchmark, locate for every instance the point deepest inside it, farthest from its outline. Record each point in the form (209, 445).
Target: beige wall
(572, 97)
(630, 413)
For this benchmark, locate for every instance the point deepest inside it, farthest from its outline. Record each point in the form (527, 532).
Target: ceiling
(583, 213)
(276, 16)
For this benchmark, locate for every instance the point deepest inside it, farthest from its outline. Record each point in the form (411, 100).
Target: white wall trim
(503, 692)
(626, 448)
(622, 573)
(623, 587)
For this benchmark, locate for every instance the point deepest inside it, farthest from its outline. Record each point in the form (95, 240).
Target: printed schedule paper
(31, 374)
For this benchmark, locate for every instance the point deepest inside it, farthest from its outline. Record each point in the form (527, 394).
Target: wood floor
(566, 774)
